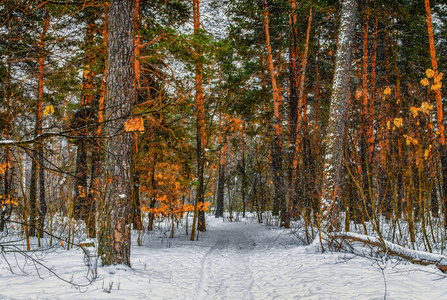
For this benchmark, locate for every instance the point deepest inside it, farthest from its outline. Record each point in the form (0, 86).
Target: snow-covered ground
(232, 260)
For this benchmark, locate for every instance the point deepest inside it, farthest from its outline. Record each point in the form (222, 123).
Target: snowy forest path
(231, 260)
(226, 268)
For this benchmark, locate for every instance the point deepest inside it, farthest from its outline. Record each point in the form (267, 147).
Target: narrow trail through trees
(226, 267)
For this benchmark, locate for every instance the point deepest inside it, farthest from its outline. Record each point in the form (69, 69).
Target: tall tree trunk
(386, 145)
(115, 218)
(80, 194)
(365, 95)
(42, 201)
(317, 103)
(439, 109)
(376, 165)
(308, 159)
(279, 197)
(38, 222)
(244, 180)
(33, 196)
(221, 169)
(152, 200)
(6, 179)
(334, 160)
(372, 93)
(439, 112)
(293, 110)
(397, 108)
(136, 209)
(96, 162)
(365, 153)
(82, 204)
(199, 214)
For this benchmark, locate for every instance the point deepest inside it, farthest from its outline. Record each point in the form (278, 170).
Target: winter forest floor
(231, 260)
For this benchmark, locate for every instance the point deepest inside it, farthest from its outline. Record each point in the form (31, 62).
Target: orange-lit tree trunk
(136, 209)
(279, 197)
(439, 111)
(365, 147)
(115, 218)
(199, 214)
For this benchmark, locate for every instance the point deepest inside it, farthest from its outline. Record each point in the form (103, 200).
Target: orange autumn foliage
(4, 166)
(171, 188)
(134, 124)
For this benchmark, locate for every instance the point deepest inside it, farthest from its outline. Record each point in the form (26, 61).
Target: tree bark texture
(334, 160)
(115, 213)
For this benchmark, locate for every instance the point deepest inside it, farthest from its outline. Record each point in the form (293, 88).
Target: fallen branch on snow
(415, 256)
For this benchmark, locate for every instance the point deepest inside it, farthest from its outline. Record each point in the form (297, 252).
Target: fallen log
(415, 256)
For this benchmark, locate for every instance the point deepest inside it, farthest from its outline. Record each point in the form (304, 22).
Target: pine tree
(115, 210)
